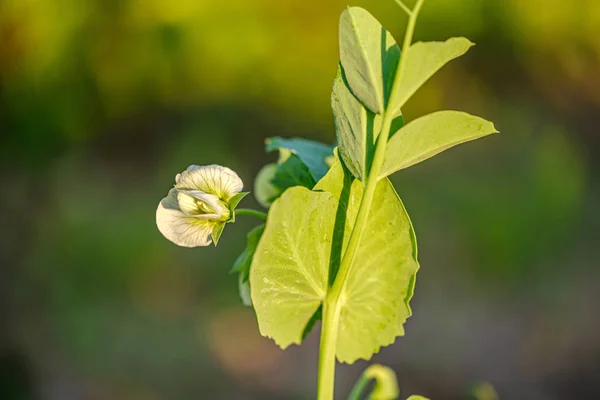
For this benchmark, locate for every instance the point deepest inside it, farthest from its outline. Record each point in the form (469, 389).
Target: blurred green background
(102, 102)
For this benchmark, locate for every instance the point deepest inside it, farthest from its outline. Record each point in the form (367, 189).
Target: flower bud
(200, 204)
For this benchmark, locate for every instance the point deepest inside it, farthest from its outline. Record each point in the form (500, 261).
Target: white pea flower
(202, 201)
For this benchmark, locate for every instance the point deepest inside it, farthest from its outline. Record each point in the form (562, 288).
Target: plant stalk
(254, 213)
(329, 331)
(332, 304)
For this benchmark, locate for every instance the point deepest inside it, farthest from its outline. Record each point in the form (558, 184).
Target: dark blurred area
(102, 102)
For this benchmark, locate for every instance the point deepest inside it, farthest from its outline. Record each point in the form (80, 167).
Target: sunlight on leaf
(369, 56)
(429, 135)
(424, 60)
(356, 128)
(289, 273)
(379, 287)
(288, 276)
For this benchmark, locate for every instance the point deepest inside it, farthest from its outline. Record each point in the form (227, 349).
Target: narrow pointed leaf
(369, 56)
(424, 60)
(235, 200)
(429, 135)
(216, 232)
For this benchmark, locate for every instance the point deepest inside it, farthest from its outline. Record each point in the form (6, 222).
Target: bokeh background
(102, 102)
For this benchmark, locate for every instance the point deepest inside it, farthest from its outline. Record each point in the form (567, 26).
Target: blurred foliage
(103, 102)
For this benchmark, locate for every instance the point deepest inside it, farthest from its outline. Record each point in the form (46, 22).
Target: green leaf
(244, 290)
(292, 172)
(265, 191)
(369, 56)
(301, 163)
(216, 232)
(424, 60)
(243, 262)
(289, 273)
(235, 200)
(417, 397)
(356, 127)
(311, 153)
(429, 135)
(387, 260)
(288, 276)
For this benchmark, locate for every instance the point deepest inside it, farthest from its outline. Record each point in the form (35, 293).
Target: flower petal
(209, 207)
(180, 228)
(212, 179)
(213, 202)
(187, 203)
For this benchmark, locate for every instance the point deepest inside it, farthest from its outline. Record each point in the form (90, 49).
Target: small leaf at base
(235, 200)
(216, 232)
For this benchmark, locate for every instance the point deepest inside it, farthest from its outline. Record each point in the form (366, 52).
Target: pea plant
(336, 245)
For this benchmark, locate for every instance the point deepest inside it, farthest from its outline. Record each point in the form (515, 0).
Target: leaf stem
(332, 304)
(404, 7)
(254, 213)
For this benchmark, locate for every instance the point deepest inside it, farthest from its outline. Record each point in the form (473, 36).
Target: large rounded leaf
(380, 283)
(304, 240)
(288, 276)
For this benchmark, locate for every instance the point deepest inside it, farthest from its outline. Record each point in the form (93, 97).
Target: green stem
(253, 213)
(404, 7)
(332, 305)
(359, 387)
(329, 331)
